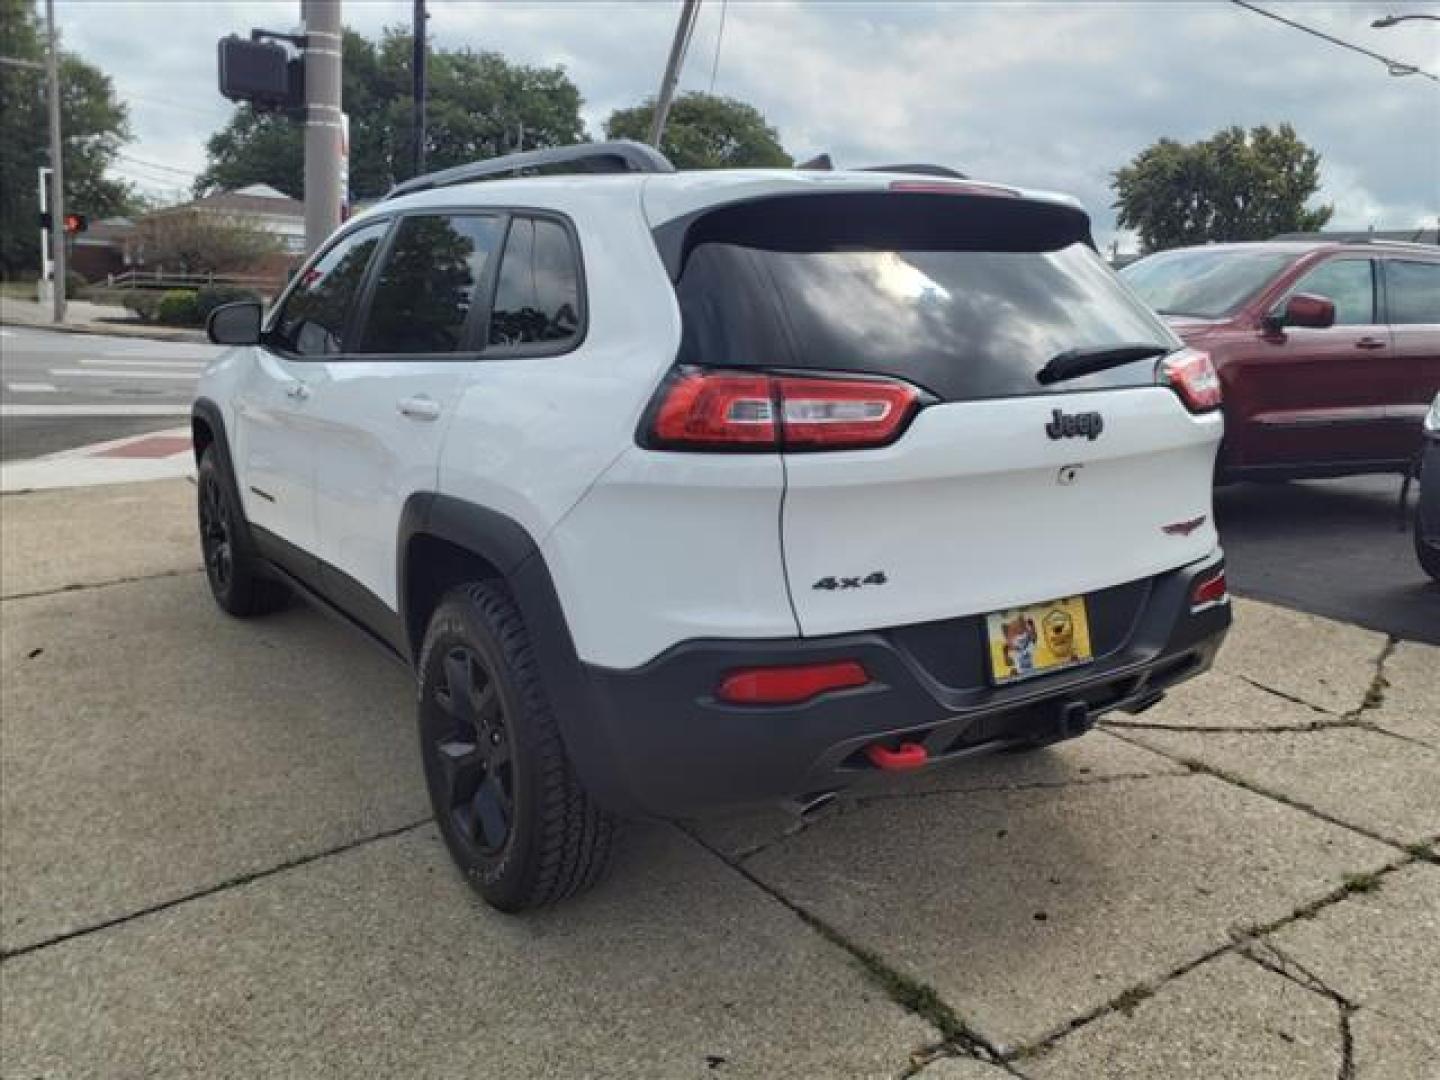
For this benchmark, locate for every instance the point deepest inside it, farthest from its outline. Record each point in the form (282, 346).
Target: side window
(427, 284)
(1413, 291)
(1349, 283)
(537, 298)
(312, 322)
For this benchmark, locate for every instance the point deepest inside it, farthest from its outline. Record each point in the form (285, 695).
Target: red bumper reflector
(789, 685)
(1209, 590)
(909, 756)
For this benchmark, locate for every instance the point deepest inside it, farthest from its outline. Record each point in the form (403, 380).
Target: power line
(1395, 67)
(719, 37)
(156, 165)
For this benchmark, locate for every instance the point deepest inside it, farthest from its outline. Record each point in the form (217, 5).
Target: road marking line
(30, 387)
(87, 373)
(110, 360)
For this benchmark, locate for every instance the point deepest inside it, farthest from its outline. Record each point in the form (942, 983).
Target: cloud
(1048, 95)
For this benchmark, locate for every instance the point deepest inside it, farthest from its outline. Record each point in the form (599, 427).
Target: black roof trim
(621, 156)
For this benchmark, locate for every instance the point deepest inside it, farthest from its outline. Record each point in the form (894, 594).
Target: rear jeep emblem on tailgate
(1069, 426)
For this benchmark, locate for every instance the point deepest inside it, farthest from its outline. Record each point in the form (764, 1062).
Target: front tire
(236, 574)
(508, 803)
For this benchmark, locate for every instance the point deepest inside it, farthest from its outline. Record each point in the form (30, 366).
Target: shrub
(144, 303)
(178, 307)
(75, 283)
(209, 297)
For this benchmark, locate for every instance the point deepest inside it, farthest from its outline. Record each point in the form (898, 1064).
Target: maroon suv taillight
(702, 409)
(1191, 374)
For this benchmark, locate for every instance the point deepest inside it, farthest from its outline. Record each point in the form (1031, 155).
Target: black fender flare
(508, 546)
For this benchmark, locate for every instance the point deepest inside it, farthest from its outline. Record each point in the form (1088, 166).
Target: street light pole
(417, 90)
(57, 174)
(322, 120)
(672, 71)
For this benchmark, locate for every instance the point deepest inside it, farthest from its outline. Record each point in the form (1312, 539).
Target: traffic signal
(76, 223)
(262, 73)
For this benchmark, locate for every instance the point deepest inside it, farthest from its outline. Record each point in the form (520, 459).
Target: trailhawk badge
(1072, 425)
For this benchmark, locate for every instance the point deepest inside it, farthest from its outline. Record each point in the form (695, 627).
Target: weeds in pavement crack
(907, 992)
(1375, 692)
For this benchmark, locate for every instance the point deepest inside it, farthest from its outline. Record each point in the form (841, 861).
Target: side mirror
(1307, 309)
(235, 324)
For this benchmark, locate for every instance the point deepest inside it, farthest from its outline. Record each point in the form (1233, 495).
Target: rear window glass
(1414, 292)
(963, 324)
(1205, 284)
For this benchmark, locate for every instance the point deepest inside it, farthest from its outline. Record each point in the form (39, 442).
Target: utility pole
(683, 30)
(322, 119)
(57, 174)
(417, 68)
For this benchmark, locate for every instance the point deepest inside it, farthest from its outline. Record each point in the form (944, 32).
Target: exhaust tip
(809, 807)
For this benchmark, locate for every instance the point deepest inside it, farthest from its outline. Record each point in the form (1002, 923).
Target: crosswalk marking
(30, 387)
(111, 361)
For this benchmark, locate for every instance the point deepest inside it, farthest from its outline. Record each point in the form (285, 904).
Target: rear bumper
(669, 748)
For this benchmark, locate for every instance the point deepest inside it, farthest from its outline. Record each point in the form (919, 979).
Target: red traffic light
(76, 223)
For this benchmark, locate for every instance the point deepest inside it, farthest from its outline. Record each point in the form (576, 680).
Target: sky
(1053, 95)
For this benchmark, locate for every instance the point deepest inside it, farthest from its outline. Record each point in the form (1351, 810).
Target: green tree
(1235, 185)
(93, 124)
(705, 132)
(479, 105)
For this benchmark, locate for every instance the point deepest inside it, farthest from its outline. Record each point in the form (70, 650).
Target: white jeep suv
(687, 489)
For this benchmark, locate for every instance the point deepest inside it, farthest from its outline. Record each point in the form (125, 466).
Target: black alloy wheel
(471, 754)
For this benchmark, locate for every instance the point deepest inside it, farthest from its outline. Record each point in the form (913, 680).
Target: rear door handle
(419, 407)
(297, 390)
(1370, 343)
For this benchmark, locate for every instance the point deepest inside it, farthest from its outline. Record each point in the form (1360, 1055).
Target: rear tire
(237, 576)
(508, 803)
(1429, 557)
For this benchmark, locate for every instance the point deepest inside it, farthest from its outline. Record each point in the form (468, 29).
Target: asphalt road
(61, 390)
(1331, 547)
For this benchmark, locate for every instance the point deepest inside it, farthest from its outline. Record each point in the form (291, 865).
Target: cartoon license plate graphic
(1039, 638)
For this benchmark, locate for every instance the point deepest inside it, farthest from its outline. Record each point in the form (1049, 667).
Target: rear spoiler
(914, 220)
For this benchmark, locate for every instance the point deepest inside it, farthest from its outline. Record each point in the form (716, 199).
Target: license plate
(1029, 641)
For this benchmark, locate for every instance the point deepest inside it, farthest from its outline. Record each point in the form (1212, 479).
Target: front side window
(1413, 291)
(427, 284)
(1349, 284)
(537, 299)
(312, 322)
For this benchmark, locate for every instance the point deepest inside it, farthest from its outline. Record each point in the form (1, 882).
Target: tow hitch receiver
(908, 756)
(1075, 719)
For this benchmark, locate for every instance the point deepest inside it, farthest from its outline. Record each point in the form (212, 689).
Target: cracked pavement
(215, 859)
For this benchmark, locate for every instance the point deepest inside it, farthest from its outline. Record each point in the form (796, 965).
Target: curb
(113, 330)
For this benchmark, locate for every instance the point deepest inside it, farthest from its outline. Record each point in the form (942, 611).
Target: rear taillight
(1209, 591)
(789, 685)
(1191, 374)
(700, 409)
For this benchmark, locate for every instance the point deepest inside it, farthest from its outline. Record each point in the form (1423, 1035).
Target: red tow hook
(909, 756)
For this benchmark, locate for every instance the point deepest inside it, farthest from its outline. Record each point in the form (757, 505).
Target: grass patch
(1362, 883)
(17, 290)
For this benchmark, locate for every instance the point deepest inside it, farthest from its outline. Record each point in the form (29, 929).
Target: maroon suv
(1328, 353)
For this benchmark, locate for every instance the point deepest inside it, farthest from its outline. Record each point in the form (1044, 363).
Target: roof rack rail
(1423, 244)
(919, 168)
(621, 156)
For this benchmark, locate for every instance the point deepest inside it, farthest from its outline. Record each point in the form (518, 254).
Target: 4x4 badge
(828, 584)
(1072, 425)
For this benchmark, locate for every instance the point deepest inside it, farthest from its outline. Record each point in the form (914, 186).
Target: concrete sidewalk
(83, 317)
(215, 858)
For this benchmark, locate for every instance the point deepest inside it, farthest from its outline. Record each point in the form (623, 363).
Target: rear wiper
(1072, 363)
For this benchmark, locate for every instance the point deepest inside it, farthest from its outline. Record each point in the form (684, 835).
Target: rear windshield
(960, 323)
(1206, 284)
